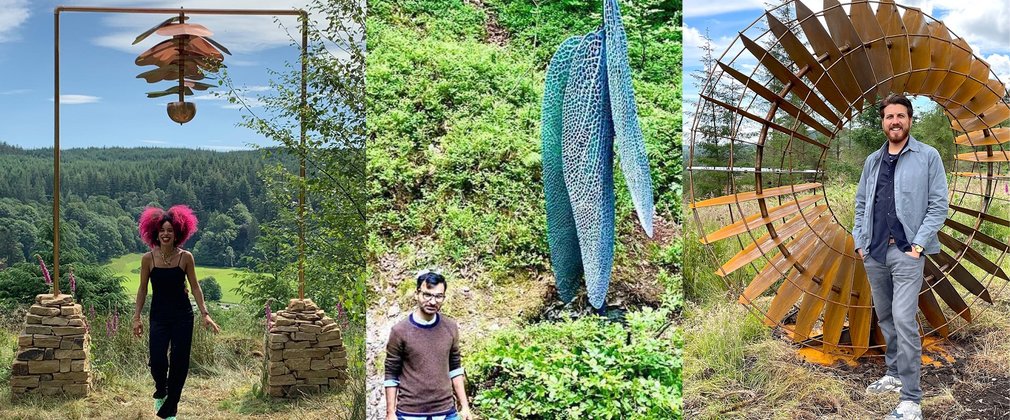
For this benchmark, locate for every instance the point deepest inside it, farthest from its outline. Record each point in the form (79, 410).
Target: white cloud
(77, 99)
(708, 8)
(223, 148)
(154, 141)
(14, 13)
(1000, 64)
(15, 91)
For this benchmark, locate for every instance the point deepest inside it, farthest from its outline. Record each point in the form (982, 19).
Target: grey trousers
(895, 286)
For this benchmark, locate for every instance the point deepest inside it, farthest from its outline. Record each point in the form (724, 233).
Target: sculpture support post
(56, 155)
(301, 169)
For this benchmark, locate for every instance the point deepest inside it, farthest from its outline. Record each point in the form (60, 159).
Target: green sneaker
(158, 402)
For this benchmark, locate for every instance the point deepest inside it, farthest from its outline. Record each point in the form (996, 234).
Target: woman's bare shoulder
(147, 257)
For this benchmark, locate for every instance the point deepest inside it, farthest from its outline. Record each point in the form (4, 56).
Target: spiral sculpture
(810, 81)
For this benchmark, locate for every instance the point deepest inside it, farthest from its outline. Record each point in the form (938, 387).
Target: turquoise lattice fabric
(589, 104)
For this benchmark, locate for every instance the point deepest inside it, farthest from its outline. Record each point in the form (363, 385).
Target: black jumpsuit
(171, 327)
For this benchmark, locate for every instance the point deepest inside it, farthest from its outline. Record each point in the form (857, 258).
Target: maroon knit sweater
(421, 357)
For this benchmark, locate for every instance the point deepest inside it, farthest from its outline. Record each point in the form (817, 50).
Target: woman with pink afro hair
(167, 268)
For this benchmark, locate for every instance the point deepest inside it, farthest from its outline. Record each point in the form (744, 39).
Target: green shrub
(587, 368)
(211, 289)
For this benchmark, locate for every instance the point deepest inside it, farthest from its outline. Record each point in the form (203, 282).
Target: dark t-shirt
(885, 216)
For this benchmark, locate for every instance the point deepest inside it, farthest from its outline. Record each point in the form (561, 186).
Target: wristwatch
(917, 248)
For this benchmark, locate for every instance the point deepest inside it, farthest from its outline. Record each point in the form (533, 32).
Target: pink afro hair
(183, 223)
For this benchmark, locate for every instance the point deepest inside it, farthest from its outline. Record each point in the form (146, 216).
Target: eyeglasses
(428, 296)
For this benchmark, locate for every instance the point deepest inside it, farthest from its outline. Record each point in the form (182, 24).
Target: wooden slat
(939, 56)
(918, 47)
(766, 243)
(889, 19)
(755, 221)
(939, 283)
(751, 195)
(773, 97)
(984, 137)
(931, 309)
(872, 37)
(977, 235)
(961, 275)
(997, 156)
(985, 99)
(798, 52)
(771, 124)
(845, 37)
(971, 255)
(860, 311)
(822, 44)
(960, 65)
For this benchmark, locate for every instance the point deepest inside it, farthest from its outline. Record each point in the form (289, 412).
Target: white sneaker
(885, 384)
(907, 410)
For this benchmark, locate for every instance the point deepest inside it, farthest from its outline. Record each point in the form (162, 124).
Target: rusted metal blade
(979, 215)
(822, 275)
(166, 45)
(184, 29)
(771, 124)
(169, 73)
(751, 195)
(889, 19)
(985, 99)
(847, 40)
(168, 21)
(781, 72)
(823, 85)
(174, 90)
(872, 37)
(939, 58)
(977, 235)
(930, 307)
(826, 49)
(960, 274)
(772, 97)
(766, 243)
(777, 266)
(839, 297)
(982, 176)
(918, 47)
(988, 118)
(982, 156)
(755, 221)
(939, 283)
(984, 137)
(860, 311)
(978, 76)
(785, 296)
(971, 255)
(960, 65)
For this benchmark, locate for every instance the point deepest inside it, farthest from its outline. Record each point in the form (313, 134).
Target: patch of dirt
(495, 33)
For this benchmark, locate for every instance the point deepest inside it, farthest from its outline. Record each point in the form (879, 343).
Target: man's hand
(390, 415)
(138, 327)
(913, 254)
(861, 256)
(464, 414)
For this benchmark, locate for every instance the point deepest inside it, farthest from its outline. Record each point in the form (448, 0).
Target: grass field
(129, 266)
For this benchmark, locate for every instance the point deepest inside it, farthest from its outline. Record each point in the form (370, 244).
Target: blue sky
(984, 24)
(103, 103)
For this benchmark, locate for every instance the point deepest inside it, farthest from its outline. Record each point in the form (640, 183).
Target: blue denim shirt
(920, 195)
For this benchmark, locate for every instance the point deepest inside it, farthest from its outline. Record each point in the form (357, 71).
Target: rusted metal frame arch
(304, 17)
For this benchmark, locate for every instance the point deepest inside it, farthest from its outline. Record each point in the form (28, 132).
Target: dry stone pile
(304, 352)
(53, 354)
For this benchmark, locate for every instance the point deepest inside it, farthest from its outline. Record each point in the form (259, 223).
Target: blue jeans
(451, 416)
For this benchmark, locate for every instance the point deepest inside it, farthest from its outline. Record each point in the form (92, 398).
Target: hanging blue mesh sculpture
(589, 104)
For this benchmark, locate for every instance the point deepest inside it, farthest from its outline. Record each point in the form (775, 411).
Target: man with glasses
(423, 366)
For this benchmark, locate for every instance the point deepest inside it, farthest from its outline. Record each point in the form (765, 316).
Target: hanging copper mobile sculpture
(183, 58)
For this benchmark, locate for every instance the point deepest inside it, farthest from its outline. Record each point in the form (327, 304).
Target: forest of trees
(103, 191)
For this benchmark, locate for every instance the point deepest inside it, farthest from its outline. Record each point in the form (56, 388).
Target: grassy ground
(129, 266)
(735, 367)
(223, 382)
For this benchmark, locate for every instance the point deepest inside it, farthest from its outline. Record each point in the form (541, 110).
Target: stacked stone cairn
(53, 354)
(304, 352)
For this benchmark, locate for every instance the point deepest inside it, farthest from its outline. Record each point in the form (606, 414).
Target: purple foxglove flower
(73, 282)
(269, 315)
(45, 271)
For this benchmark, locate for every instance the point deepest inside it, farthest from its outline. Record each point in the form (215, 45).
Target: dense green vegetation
(454, 96)
(104, 190)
